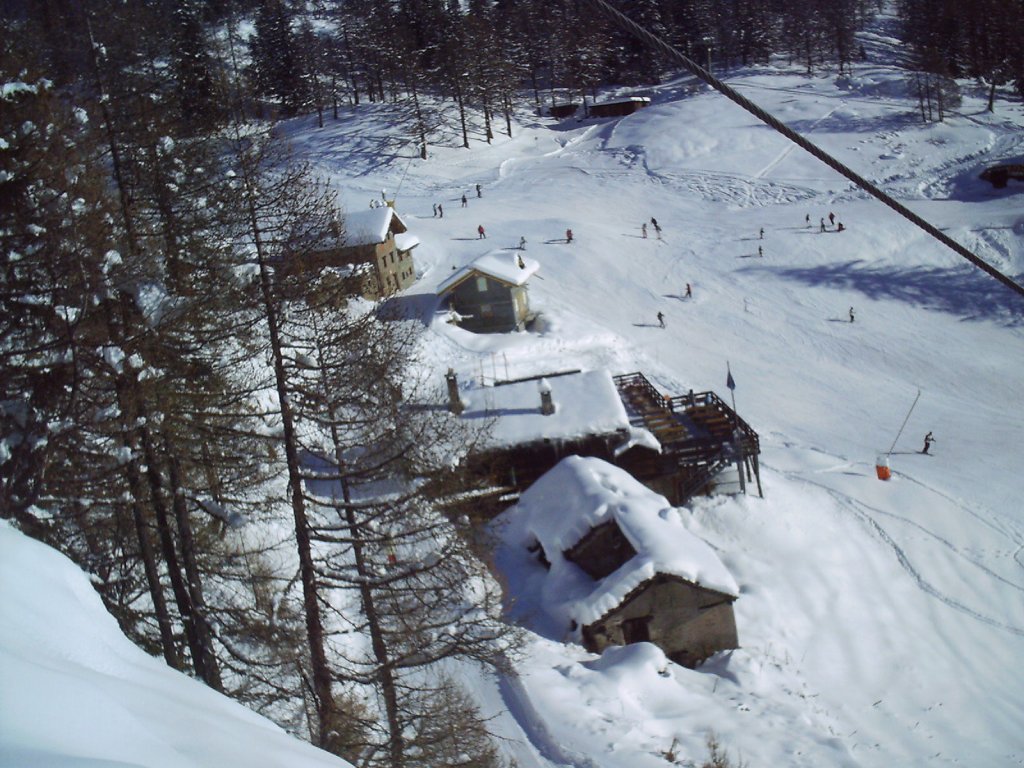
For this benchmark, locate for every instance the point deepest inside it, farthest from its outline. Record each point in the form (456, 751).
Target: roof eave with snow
(502, 266)
(579, 494)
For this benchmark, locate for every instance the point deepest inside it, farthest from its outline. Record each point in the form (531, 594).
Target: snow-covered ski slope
(882, 623)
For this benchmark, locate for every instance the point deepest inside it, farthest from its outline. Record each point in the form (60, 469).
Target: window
(636, 630)
(481, 284)
(486, 311)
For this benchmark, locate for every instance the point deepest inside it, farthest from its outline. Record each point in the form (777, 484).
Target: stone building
(612, 563)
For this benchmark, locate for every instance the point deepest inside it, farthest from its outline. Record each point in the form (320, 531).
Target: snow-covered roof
(586, 403)
(370, 226)
(508, 266)
(579, 494)
(623, 100)
(405, 241)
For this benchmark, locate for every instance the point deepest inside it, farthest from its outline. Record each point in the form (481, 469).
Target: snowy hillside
(881, 623)
(75, 692)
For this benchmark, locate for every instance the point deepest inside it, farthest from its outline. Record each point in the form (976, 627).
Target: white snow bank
(77, 692)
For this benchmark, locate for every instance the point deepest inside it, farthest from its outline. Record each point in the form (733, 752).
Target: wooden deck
(698, 431)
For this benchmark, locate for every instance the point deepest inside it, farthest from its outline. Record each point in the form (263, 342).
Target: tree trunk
(209, 668)
(462, 114)
(385, 672)
(156, 591)
(507, 105)
(314, 623)
(421, 127)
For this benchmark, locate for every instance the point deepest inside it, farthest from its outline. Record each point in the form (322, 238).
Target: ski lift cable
(673, 53)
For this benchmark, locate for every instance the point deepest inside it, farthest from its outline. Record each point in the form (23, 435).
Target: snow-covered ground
(881, 623)
(75, 692)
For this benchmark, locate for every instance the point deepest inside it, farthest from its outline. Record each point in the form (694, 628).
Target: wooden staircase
(698, 432)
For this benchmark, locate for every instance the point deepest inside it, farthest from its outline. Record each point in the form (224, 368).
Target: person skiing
(440, 211)
(807, 220)
(851, 314)
(822, 225)
(464, 203)
(643, 230)
(435, 210)
(657, 229)
(928, 440)
(478, 191)
(661, 320)
(840, 227)
(480, 233)
(831, 218)
(761, 237)
(568, 235)
(760, 251)
(522, 243)
(689, 292)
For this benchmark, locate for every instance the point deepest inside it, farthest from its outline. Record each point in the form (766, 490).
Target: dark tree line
(203, 427)
(981, 39)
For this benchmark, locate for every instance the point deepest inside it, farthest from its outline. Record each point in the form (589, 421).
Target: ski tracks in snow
(790, 146)
(868, 514)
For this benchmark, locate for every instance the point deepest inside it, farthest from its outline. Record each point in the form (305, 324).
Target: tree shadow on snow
(847, 123)
(962, 291)
(417, 306)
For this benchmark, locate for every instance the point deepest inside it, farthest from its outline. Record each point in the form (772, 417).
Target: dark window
(636, 630)
(601, 551)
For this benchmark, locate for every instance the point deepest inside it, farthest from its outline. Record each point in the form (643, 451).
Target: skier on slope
(928, 440)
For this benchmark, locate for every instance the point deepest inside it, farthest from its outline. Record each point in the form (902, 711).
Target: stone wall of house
(688, 622)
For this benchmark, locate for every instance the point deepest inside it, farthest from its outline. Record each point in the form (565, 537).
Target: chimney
(454, 400)
(547, 405)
